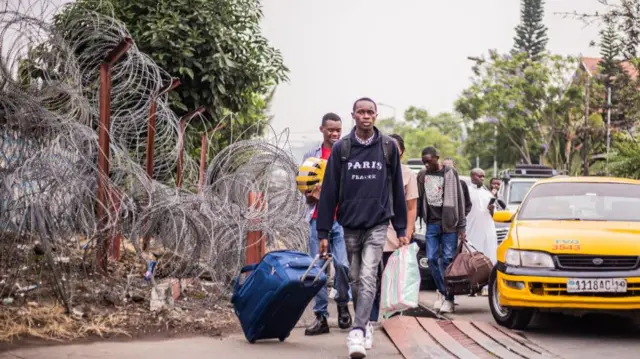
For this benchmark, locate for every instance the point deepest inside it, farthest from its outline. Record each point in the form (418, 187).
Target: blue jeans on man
(340, 262)
(437, 243)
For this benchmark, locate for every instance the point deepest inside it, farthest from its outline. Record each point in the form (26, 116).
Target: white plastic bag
(401, 281)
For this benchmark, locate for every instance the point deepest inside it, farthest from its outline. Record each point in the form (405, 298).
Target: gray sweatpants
(364, 250)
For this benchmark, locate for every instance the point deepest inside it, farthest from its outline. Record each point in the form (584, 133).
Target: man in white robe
(481, 230)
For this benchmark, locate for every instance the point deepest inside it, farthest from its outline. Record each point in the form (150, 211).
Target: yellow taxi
(573, 245)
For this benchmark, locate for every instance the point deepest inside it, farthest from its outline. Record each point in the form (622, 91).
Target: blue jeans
(340, 262)
(437, 241)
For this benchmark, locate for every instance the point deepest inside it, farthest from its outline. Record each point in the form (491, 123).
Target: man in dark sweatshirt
(364, 179)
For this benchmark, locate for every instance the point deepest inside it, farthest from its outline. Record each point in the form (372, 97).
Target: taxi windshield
(583, 201)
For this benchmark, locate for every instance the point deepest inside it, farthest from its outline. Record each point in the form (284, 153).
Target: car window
(583, 201)
(518, 190)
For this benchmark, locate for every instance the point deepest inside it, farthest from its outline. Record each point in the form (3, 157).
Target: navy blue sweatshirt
(365, 194)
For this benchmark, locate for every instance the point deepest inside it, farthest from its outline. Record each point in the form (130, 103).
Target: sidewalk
(329, 346)
(297, 346)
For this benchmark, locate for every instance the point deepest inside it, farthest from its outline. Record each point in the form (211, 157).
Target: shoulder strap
(345, 153)
(387, 149)
(387, 143)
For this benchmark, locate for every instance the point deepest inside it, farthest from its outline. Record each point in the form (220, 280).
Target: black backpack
(345, 154)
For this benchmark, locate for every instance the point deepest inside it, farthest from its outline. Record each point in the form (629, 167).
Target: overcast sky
(401, 52)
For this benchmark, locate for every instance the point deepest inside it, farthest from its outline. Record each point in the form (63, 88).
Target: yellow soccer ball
(310, 173)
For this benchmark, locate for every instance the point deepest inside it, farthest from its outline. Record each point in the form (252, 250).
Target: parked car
(572, 246)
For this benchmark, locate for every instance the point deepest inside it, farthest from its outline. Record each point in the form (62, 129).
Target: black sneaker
(320, 326)
(344, 317)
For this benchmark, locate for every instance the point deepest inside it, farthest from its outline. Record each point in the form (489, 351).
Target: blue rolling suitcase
(275, 294)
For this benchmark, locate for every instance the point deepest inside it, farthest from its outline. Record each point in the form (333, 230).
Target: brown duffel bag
(468, 272)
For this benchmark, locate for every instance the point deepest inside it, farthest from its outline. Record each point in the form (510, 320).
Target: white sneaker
(485, 291)
(439, 300)
(355, 343)
(368, 338)
(447, 307)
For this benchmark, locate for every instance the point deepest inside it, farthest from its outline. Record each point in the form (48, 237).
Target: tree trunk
(567, 152)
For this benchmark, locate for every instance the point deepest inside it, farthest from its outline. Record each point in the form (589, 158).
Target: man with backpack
(364, 178)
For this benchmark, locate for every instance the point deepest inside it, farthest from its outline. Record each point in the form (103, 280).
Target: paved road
(593, 336)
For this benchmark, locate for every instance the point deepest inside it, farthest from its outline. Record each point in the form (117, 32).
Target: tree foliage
(620, 42)
(215, 47)
(531, 33)
(530, 101)
(217, 50)
(420, 130)
(626, 159)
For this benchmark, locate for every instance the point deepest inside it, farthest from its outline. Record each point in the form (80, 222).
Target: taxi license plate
(600, 285)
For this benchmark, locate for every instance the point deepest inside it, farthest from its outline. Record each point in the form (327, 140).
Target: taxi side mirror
(502, 216)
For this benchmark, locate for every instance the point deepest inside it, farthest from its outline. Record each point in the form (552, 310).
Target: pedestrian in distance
(411, 198)
(481, 230)
(331, 129)
(364, 178)
(494, 187)
(443, 210)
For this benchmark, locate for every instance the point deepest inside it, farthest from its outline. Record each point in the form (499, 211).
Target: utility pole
(608, 125)
(393, 108)
(585, 149)
(495, 152)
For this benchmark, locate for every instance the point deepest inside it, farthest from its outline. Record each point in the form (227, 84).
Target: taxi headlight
(531, 259)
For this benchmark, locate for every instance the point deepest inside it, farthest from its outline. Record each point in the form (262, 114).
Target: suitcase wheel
(252, 341)
(282, 339)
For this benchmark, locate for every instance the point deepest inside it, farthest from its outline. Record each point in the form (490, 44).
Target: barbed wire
(49, 119)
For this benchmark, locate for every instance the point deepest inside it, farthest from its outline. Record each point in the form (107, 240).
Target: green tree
(627, 15)
(218, 52)
(446, 123)
(612, 75)
(610, 50)
(625, 161)
(531, 33)
(529, 101)
(420, 130)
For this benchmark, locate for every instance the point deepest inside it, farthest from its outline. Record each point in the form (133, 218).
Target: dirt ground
(45, 303)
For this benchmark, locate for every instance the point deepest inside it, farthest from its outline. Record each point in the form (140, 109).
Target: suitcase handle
(313, 262)
(244, 269)
(249, 267)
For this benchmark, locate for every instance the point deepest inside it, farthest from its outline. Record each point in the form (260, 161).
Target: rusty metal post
(151, 125)
(183, 125)
(203, 161)
(103, 143)
(256, 245)
(151, 137)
